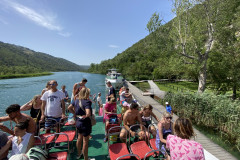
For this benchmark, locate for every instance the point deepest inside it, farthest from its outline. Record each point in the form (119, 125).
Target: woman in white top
(22, 141)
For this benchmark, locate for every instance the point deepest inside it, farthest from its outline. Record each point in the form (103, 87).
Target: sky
(81, 31)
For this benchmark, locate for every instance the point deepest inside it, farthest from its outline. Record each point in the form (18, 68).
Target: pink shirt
(110, 108)
(184, 149)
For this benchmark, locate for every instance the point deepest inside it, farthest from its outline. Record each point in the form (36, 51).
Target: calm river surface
(21, 90)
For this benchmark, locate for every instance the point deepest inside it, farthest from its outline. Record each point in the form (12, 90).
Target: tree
(193, 33)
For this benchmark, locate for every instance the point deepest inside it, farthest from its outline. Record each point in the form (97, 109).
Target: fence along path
(212, 151)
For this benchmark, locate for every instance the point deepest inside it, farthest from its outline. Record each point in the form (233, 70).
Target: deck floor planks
(158, 109)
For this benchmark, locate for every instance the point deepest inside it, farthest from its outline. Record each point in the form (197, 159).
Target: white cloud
(66, 34)
(43, 20)
(113, 46)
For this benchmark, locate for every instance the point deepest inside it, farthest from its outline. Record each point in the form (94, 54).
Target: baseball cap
(166, 103)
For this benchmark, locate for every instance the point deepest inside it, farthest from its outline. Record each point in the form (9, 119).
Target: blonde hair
(84, 93)
(166, 114)
(34, 101)
(183, 128)
(147, 107)
(47, 84)
(112, 99)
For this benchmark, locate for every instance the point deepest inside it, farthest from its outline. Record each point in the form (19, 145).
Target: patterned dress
(184, 149)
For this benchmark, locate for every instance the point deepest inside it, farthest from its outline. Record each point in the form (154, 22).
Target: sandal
(79, 156)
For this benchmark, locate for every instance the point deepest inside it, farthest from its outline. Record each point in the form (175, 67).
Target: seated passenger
(15, 115)
(122, 95)
(147, 115)
(131, 117)
(22, 141)
(5, 144)
(164, 129)
(125, 107)
(110, 109)
(180, 145)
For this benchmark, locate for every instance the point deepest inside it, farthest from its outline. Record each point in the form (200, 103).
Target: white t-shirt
(99, 99)
(122, 96)
(53, 103)
(22, 147)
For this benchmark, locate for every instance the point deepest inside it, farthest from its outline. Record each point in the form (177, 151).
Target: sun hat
(125, 104)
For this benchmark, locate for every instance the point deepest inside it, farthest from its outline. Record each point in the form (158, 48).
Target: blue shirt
(169, 108)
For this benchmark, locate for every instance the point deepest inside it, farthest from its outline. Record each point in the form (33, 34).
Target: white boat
(115, 78)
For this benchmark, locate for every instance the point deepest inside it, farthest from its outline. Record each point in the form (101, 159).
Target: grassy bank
(143, 86)
(24, 75)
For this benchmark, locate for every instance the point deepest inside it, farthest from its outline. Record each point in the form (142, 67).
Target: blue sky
(81, 31)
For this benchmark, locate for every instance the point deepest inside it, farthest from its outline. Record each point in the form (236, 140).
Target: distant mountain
(20, 60)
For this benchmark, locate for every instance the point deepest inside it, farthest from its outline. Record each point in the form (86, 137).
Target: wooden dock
(158, 109)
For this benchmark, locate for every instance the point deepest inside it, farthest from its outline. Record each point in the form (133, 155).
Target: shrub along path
(212, 148)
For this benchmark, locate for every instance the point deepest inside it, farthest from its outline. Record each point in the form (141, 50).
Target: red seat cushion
(58, 156)
(141, 148)
(63, 138)
(117, 150)
(153, 144)
(43, 137)
(117, 129)
(67, 124)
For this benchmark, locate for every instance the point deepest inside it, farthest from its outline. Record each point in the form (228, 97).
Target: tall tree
(193, 33)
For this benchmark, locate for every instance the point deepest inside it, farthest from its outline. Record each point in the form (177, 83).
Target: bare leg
(123, 135)
(79, 143)
(153, 131)
(85, 147)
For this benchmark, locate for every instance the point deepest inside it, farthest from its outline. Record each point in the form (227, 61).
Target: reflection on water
(21, 90)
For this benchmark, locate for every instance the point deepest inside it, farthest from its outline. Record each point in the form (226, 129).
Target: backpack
(36, 153)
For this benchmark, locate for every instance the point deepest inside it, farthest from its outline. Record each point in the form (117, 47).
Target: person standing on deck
(48, 87)
(169, 108)
(16, 116)
(53, 106)
(77, 87)
(111, 91)
(81, 108)
(65, 93)
(100, 104)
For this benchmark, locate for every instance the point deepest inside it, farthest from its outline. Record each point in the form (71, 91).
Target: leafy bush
(216, 112)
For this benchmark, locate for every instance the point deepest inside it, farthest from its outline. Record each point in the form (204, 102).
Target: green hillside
(20, 60)
(201, 43)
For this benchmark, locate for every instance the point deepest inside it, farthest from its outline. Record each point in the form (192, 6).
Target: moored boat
(115, 78)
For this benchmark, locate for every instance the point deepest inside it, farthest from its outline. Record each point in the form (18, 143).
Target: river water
(21, 90)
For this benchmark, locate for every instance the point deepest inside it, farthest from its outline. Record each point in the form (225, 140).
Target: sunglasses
(168, 117)
(52, 84)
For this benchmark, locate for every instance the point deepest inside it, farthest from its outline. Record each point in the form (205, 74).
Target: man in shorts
(53, 106)
(131, 117)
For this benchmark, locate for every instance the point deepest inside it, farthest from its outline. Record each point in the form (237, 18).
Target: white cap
(166, 103)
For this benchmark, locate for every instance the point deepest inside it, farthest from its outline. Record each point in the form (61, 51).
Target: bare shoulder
(27, 116)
